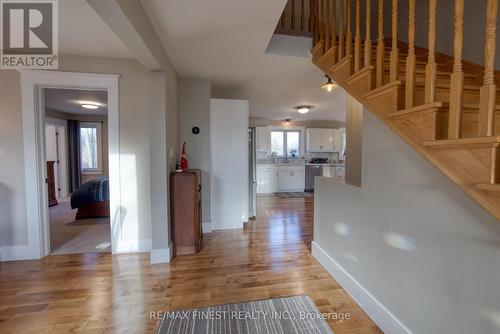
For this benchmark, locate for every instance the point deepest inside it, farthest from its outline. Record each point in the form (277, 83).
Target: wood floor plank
(100, 293)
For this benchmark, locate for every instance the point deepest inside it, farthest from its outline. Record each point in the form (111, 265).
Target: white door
(327, 140)
(229, 162)
(313, 140)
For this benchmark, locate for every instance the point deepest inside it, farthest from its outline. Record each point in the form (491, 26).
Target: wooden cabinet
(320, 140)
(267, 179)
(262, 139)
(291, 178)
(51, 183)
(185, 211)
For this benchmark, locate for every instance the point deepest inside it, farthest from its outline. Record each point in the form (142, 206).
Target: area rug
(297, 314)
(294, 195)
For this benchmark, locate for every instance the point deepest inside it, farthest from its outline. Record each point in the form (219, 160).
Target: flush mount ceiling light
(330, 85)
(89, 106)
(304, 109)
(287, 121)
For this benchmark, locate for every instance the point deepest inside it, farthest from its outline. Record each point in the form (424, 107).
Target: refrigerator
(252, 177)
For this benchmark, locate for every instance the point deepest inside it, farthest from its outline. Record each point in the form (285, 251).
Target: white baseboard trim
(387, 321)
(162, 255)
(132, 246)
(207, 227)
(16, 253)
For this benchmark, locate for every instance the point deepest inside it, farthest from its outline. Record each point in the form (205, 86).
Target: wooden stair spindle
(357, 38)
(457, 76)
(487, 100)
(302, 17)
(292, 20)
(348, 36)
(341, 29)
(334, 30)
(393, 67)
(321, 5)
(431, 67)
(326, 14)
(368, 37)
(411, 58)
(380, 45)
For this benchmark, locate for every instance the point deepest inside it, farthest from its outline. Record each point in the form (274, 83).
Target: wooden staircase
(442, 106)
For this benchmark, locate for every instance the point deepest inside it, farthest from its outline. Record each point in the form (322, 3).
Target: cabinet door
(314, 140)
(299, 181)
(262, 139)
(327, 141)
(267, 180)
(285, 182)
(338, 139)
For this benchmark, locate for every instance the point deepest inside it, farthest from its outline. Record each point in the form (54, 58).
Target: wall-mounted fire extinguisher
(184, 161)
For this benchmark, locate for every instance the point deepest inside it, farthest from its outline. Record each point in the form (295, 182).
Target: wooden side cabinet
(185, 211)
(51, 183)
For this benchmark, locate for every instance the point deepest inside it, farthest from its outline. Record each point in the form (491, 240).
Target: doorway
(76, 151)
(33, 85)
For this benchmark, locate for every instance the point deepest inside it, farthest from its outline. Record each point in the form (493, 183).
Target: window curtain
(74, 155)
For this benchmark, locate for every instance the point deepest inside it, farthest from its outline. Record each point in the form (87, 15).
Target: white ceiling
(70, 100)
(225, 41)
(83, 32)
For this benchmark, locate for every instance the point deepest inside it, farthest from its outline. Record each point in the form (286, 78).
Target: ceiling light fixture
(304, 109)
(287, 121)
(89, 106)
(330, 85)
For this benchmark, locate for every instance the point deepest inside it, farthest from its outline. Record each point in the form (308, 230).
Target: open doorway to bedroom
(76, 151)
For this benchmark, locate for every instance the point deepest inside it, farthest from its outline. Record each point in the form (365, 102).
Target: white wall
(13, 228)
(229, 162)
(474, 26)
(194, 110)
(413, 239)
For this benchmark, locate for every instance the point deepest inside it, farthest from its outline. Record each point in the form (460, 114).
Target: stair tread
(488, 187)
(450, 143)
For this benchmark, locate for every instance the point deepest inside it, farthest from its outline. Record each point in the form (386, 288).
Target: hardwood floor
(100, 293)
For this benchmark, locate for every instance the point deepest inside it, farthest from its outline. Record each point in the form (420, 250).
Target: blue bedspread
(91, 192)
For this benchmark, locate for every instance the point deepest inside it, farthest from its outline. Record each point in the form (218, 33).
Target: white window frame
(299, 129)
(98, 127)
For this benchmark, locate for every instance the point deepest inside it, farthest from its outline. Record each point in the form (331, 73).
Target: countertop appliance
(311, 172)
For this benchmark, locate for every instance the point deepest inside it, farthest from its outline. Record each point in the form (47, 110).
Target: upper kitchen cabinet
(263, 139)
(320, 140)
(339, 139)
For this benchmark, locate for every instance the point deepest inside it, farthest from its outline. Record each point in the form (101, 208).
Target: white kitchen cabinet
(327, 140)
(339, 139)
(340, 173)
(291, 178)
(314, 140)
(262, 139)
(320, 140)
(267, 179)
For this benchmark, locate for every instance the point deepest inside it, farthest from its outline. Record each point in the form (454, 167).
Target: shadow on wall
(6, 233)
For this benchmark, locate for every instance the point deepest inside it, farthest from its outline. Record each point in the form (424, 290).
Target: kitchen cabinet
(339, 136)
(320, 140)
(340, 173)
(262, 139)
(291, 178)
(267, 179)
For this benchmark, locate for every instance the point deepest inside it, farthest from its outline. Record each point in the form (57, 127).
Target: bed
(92, 199)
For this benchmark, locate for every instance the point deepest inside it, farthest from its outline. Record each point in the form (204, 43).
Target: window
(285, 142)
(90, 147)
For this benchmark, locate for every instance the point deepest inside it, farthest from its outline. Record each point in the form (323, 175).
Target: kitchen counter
(301, 164)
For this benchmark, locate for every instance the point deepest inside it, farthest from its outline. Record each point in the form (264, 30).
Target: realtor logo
(29, 36)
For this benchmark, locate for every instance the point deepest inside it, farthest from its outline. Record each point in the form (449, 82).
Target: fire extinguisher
(184, 161)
